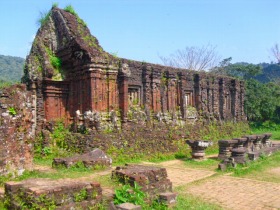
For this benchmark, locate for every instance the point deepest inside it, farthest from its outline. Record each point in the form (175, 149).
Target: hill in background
(11, 68)
(270, 73)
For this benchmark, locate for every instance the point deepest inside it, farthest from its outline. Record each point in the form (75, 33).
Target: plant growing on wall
(130, 194)
(56, 64)
(71, 10)
(12, 111)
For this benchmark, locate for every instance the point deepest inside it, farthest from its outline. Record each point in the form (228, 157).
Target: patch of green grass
(208, 164)
(188, 201)
(59, 173)
(71, 10)
(4, 179)
(44, 18)
(159, 157)
(259, 169)
(5, 84)
(2, 206)
(107, 181)
(56, 64)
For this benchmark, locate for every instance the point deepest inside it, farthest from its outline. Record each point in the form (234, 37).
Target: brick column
(215, 96)
(197, 92)
(222, 105)
(96, 89)
(112, 91)
(123, 76)
(242, 96)
(147, 88)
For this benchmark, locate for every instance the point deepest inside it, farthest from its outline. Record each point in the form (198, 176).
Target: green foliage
(266, 127)
(56, 64)
(71, 10)
(270, 73)
(130, 194)
(4, 179)
(188, 201)
(11, 70)
(5, 84)
(55, 4)
(262, 101)
(58, 135)
(237, 70)
(12, 111)
(44, 18)
(80, 196)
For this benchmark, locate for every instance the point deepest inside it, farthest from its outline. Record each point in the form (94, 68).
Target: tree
(238, 70)
(262, 101)
(275, 50)
(193, 58)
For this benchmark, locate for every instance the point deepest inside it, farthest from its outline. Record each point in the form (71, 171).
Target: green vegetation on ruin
(44, 18)
(56, 64)
(71, 10)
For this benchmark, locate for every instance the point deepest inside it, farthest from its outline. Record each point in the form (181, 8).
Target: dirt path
(229, 192)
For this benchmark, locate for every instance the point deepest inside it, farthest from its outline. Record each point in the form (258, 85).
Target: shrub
(130, 194)
(44, 17)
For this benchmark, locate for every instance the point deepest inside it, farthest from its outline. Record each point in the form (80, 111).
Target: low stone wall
(92, 159)
(246, 148)
(17, 128)
(64, 194)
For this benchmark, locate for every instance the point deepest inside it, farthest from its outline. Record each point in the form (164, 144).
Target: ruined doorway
(134, 96)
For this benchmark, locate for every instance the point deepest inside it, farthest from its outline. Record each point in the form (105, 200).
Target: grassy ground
(275, 133)
(263, 169)
(188, 201)
(208, 164)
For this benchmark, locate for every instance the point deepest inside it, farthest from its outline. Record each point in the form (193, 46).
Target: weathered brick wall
(17, 129)
(166, 89)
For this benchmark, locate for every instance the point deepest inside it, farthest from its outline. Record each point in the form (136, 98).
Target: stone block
(128, 206)
(47, 193)
(169, 198)
(93, 158)
(153, 180)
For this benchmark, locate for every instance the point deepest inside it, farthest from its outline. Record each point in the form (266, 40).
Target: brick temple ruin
(69, 76)
(91, 79)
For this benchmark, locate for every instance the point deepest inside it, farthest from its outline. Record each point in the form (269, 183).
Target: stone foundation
(95, 158)
(153, 180)
(63, 194)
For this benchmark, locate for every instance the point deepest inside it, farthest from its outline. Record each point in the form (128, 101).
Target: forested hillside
(270, 73)
(11, 68)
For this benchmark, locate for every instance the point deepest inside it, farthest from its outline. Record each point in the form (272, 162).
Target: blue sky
(144, 29)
